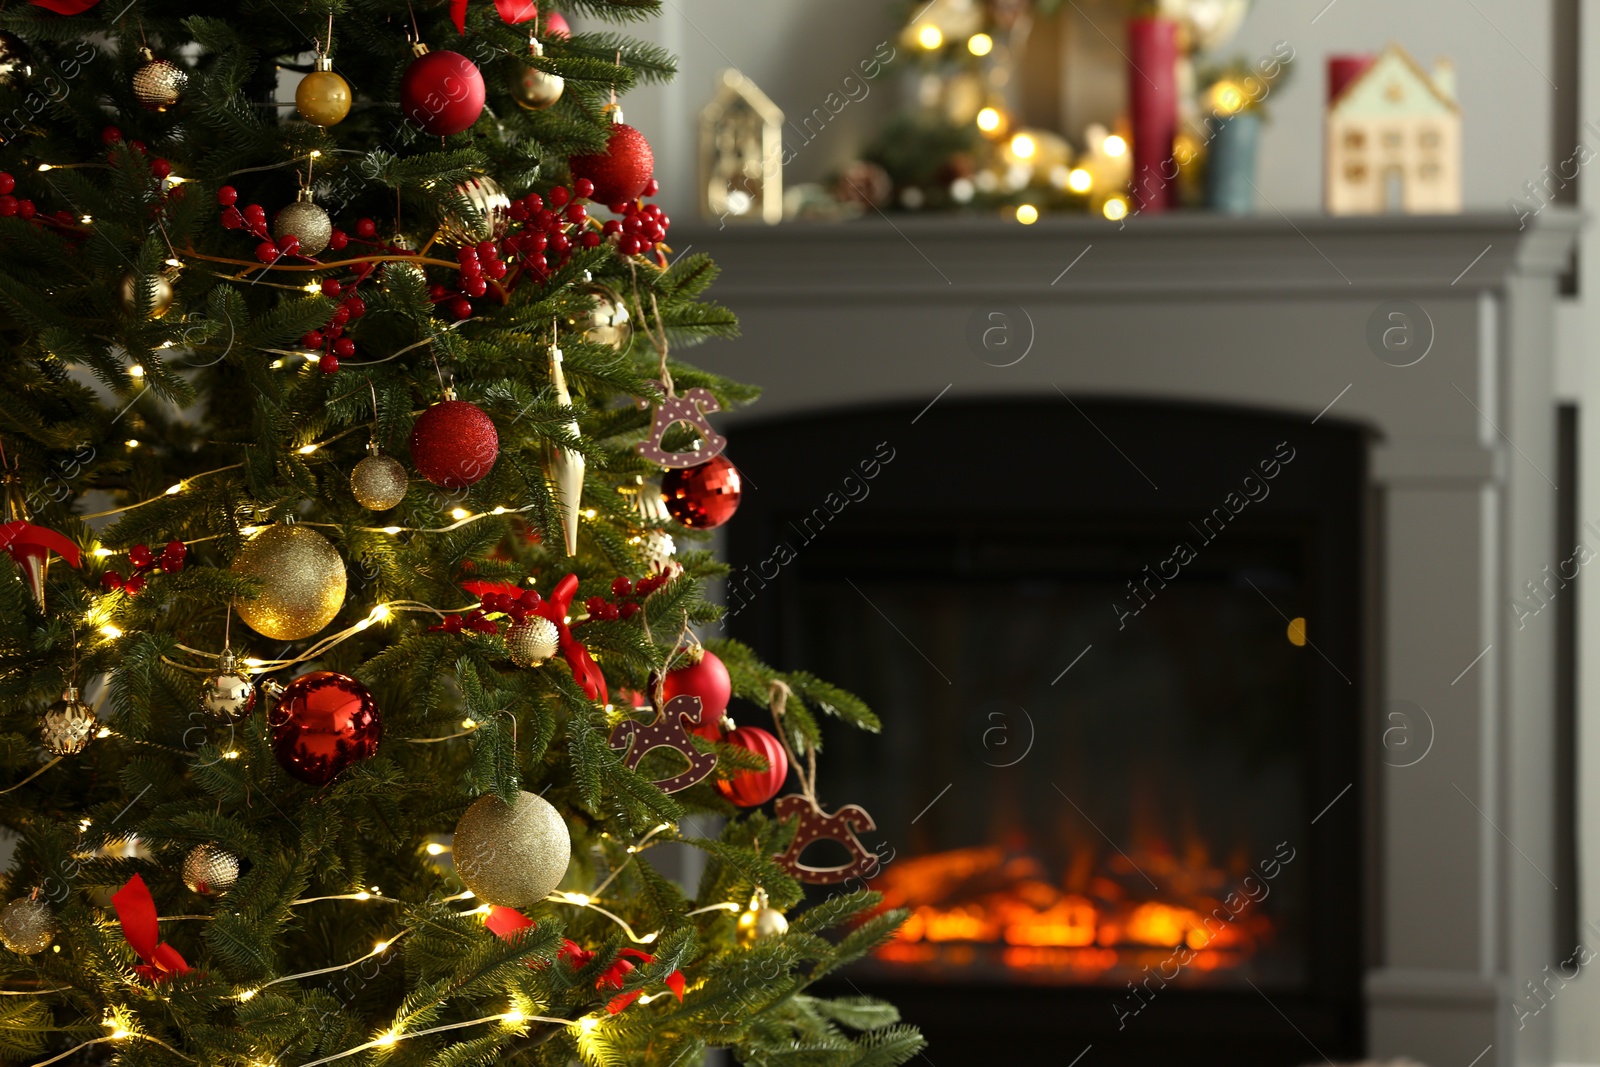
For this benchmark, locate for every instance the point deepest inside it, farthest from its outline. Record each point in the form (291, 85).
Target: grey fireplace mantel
(1286, 315)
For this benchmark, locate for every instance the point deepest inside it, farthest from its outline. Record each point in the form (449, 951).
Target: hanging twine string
(778, 694)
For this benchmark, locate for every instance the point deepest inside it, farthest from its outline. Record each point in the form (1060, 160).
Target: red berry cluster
(144, 561)
(519, 609)
(330, 338)
(12, 206)
(630, 593)
(640, 230)
(478, 265)
(253, 220)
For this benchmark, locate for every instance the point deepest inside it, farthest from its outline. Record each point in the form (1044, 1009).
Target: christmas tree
(349, 666)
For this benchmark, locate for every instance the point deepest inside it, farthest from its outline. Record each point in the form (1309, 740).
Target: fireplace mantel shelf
(1194, 253)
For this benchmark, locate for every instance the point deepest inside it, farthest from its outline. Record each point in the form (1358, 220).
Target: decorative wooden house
(1393, 136)
(741, 153)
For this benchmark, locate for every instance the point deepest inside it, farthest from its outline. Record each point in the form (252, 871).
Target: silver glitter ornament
(533, 88)
(27, 926)
(157, 84)
(210, 870)
(477, 210)
(228, 694)
(378, 482)
(511, 855)
(532, 642)
(307, 222)
(68, 726)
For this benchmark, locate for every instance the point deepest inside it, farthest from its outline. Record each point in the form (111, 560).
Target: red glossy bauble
(321, 724)
(454, 444)
(709, 681)
(621, 172)
(703, 496)
(555, 25)
(748, 789)
(442, 92)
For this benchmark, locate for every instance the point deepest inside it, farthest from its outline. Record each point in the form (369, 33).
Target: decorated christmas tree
(349, 668)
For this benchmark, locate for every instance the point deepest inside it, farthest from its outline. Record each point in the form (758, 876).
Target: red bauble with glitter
(321, 724)
(454, 444)
(707, 680)
(705, 496)
(749, 789)
(621, 172)
(442, 92)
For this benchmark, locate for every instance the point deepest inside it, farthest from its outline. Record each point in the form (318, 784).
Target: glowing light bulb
(247, 994)
(313, 287)
(118, 1034)
(1115, 208)
(132, 442)
(1023, 146)
(498, 510)
(391, 530)
(515, 1017)
(1080, 180)
(306, 450)
(174, 490)
(381, 946)
(1027, 214)
(105, 731)
(136, 371)
(387, 1038)
(381, 613)
(101, 552)
(930, 37)
(111, 631)
(1114, 146)
(1227, 97)
(84, 824)
(459, 513)
(590, 513)
(435, 849)
(363, 895)
(469, 724)
(588, 1023)
(980, 44)
(580, 899)
(276, 364)
(232, 753)
(45, 166)
(86, 219)
(988, 120)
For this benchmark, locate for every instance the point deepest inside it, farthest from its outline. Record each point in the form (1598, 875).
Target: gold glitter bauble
(302, 582)
(323, 97)
(509, 856)
(533, 88)
(26, 926)
(378, 482)
(157, 286)
(307, 222)
(532, 642)
(487, 219)
(157, 84)
(210, 870)
(759, 921)
(607, 323)
(68, 726)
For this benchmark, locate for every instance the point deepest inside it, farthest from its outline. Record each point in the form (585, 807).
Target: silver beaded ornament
(210, 870)
(532, 642)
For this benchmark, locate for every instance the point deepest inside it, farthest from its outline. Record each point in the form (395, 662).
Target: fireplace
(1119, 787)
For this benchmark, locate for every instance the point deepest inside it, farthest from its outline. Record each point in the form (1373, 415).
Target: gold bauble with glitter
(323, 97)
(532, 642)
(27, 926)
(760, 921)
(607, 323)
(379, 481)
(157, 84)
(533, 88)
(511, 856)
(210, 870)
(302, 582)
(308, 223)
(477, 210)
(68, 726)
(157, 285)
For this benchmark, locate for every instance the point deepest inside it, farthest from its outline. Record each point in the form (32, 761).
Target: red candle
(1153, 107)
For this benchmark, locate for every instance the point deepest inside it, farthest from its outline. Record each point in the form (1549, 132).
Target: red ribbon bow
(66, 7)
(511, 12)
(556, 607)
(136, 911)
(504, 922)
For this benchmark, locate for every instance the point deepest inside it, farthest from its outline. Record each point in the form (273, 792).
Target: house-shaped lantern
(1393, 136)
(741, 153)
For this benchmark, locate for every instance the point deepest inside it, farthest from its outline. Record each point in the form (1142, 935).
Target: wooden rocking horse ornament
(636, 740)
(692, 407)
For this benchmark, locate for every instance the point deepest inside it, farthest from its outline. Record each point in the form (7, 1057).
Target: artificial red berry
(629, 245)
(134, 585)
(534, 202)
(475, 286)
(495, 270)
(331, 287)
(471, 269)
(536, 261)
(267, 251)
(583, 187)
(437, 293)
(590, 240)
(173, 555)
(366, 228)
(111, 581)
(255, 213)
(663, 221)
(576, 213)
(8, 205)
(610, 612)
(7, 182)
(519, 211)
(533, 242)
(231, 219)
(652, 187)
(461, 308)
(621, 586)
(356, 306)
(487, 250)
(620, 209)
(64, 218)
(227, 196)
(531, 599)
(137, 145)
(139, 556)
(612, 226)
(559, 196)
(311, 340)
(629, 610)
(328, 364)
(559, 242)
(332, 330)
(544, 219)
(341, 315)
(338, 239)
(289, 244)
(344, 347)
(25, 209)
(594, 604)
(160, 168)
(111, 135)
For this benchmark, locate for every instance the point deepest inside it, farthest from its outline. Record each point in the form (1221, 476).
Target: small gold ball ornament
(157, 84)
(302, 582)
(27, 926)
(323, 97)
(68, 726)
(477, 210)
(229, 694)
(156, 286)
(533, 88)
(210, 870)
(378, 481)
(307, 222)
(511, 856)
(607, 323)
(760, 921)
(531, 643)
